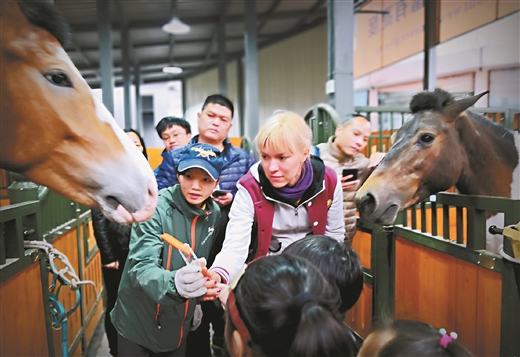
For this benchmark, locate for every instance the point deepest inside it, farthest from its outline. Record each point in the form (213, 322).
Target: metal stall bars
(35, 214)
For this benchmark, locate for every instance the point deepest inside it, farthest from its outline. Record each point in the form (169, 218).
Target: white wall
(292, 76)
(167, 101)
(205, 84)
(293, 73)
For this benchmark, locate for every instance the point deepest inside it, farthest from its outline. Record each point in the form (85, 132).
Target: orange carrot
(185, 249)
(177, 244)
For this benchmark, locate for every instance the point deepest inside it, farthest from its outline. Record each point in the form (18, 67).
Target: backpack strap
(263, 220)
(315, 208)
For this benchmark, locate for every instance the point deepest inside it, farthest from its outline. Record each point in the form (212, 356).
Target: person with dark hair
(138, 140)
(220, 100)
(339, 263)
(343, 151)
(403, 338)
(283, 306)
(159, 290)
(112, 240)
(174, 132)
(214, 123)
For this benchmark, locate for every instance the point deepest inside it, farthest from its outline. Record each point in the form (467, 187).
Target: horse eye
(426, 138)
(59, 78)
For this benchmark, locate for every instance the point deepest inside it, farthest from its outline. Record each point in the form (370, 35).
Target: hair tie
(302, 299)
(446, 339)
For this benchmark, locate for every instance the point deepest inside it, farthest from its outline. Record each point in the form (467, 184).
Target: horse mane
(507, 149)
(435, 100)
(45, 15)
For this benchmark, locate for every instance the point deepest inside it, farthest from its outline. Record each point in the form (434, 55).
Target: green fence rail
(323, 119)
(37, 213)
(419, 224)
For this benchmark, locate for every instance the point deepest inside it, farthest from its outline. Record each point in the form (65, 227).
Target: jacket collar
(226, 142)
(316, 187)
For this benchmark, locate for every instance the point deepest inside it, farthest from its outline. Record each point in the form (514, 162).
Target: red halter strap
(237, 320)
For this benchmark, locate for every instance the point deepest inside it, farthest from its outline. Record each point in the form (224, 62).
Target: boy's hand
(224, 200)
(189, 281)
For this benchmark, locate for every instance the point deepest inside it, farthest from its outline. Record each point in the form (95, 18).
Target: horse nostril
(112, 202)
(366, 204)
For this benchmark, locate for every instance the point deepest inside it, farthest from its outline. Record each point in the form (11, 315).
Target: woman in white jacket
(288, 195)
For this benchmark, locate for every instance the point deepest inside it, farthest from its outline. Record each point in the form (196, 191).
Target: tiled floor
(103, 350)
(99, 343)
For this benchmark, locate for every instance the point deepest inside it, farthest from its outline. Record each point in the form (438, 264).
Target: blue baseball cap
(202, 156)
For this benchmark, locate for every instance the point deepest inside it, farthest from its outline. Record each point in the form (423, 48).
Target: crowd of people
(246, 258)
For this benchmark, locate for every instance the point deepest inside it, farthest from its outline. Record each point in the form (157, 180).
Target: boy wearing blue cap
(158, 291)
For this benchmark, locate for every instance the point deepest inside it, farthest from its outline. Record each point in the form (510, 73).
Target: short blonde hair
(285, 131)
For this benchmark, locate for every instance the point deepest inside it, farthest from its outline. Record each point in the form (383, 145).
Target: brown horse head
(443, 145)
(54, 131)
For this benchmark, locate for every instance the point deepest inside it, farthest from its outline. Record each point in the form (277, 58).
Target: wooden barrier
(23, 331)
(411, 273)
(25, 278)
(449, 293)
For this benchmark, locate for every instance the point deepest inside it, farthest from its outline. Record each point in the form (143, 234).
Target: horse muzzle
(375, 209)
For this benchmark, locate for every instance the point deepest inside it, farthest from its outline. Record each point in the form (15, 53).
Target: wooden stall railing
(443, 276)
(36, 213)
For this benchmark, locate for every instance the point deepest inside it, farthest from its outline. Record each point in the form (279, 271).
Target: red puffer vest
(317, 209)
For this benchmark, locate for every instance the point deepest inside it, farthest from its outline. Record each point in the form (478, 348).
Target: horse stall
(42, 315)
(432, 266)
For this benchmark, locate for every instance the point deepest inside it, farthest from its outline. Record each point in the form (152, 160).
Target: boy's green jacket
(149, 310)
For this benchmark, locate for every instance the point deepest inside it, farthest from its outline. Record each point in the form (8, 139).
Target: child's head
(198, 172)
(411, 338)
(337, 262)
(174, 132)
(283, 306)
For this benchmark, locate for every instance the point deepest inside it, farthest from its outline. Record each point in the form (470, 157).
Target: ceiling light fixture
(176, 27)
(172, 70)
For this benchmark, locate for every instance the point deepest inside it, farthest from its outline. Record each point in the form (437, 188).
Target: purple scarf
(297, 191)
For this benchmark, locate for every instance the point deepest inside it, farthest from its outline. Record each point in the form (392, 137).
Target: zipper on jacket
(186, 309)
(168, 265)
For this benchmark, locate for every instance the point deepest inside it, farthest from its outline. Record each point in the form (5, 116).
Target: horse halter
(237, 321)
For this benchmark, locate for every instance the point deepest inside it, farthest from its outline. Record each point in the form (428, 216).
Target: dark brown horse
(443, 145)
(52, 128)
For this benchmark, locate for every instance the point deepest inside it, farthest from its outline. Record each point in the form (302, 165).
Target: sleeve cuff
(224, 274)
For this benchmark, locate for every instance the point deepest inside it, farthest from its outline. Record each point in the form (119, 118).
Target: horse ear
(453, 109)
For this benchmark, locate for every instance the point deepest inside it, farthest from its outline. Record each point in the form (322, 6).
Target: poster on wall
(367, 40)
(403, 29)
(458, 17)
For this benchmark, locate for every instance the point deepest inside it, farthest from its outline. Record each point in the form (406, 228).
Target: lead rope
(58, 312)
